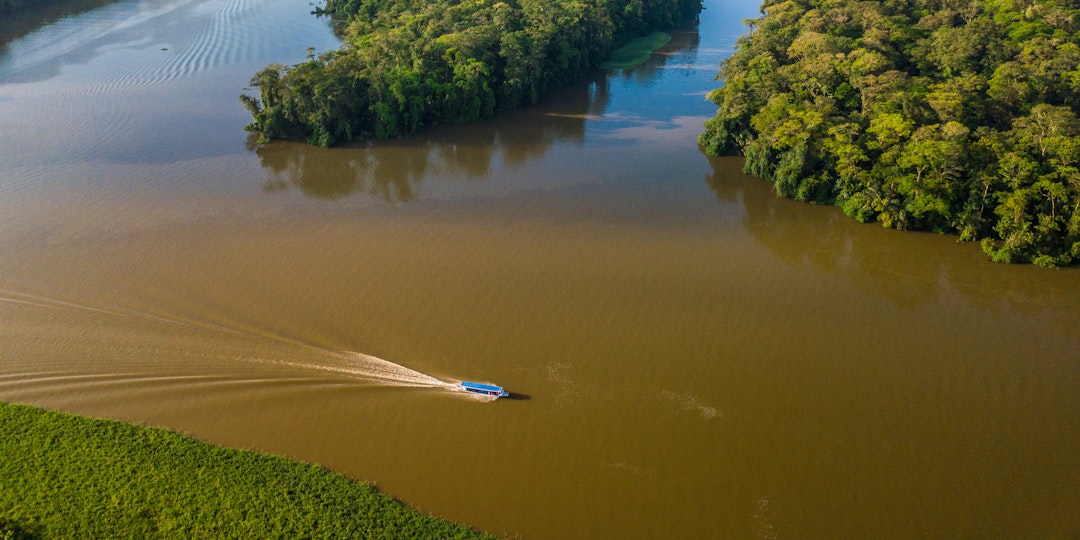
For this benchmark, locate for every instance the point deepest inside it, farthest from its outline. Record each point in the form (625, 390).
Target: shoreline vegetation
(408, 64)
(954, 117)
(636, 52)
(65, 476)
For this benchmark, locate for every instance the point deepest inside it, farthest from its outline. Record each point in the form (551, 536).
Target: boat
(482, 389)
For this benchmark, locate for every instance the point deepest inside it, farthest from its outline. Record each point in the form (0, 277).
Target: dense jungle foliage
(412, 63)
(951, 116)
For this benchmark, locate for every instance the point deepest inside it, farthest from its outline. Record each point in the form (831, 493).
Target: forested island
(921, 114)
(406, 64)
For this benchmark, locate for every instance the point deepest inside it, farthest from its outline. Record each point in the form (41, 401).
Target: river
(689, 355)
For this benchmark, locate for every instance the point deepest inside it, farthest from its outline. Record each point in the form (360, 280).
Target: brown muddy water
(690, 356)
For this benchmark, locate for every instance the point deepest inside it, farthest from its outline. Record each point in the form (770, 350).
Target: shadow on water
(910, 269)
(518, 397)
(96, 29)
(394, 170)
(16, 25)
(681, 50)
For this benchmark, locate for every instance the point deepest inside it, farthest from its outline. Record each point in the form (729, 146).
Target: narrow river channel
(689, 356)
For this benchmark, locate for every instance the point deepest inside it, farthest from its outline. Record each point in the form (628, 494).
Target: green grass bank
(65, 476)
(635, 52)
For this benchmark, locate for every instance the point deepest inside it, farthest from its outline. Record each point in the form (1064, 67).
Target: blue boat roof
(481, 386)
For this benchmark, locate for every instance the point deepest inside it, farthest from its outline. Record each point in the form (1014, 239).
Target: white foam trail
(355, 365)
(390, 371)
(369, 369)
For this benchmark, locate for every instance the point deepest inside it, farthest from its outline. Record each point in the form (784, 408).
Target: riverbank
(65, 476)
(636, 52)
(965, 123)
(409, 64)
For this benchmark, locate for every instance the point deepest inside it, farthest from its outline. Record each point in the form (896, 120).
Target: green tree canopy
(412, 63)
(920, 114)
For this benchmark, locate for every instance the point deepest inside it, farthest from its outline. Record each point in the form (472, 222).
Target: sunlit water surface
(689, 356)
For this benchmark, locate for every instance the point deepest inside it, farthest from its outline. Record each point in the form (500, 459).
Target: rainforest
(954, 117)
(690, 355)
(406, 64)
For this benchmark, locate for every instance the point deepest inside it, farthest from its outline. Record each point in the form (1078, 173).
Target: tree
(407, 64)
(952, 117)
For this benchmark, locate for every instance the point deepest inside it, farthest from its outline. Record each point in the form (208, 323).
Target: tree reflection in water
(909, 269)
(682, 49)
(394, 170)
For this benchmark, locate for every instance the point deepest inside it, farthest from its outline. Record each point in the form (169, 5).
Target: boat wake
(368, 369)
(290, 353)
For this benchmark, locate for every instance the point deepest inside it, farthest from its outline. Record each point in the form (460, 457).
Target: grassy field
(635, 52)
(64, 476)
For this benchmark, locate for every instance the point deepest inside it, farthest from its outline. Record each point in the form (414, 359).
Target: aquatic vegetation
(63, 476)
(636, 52)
